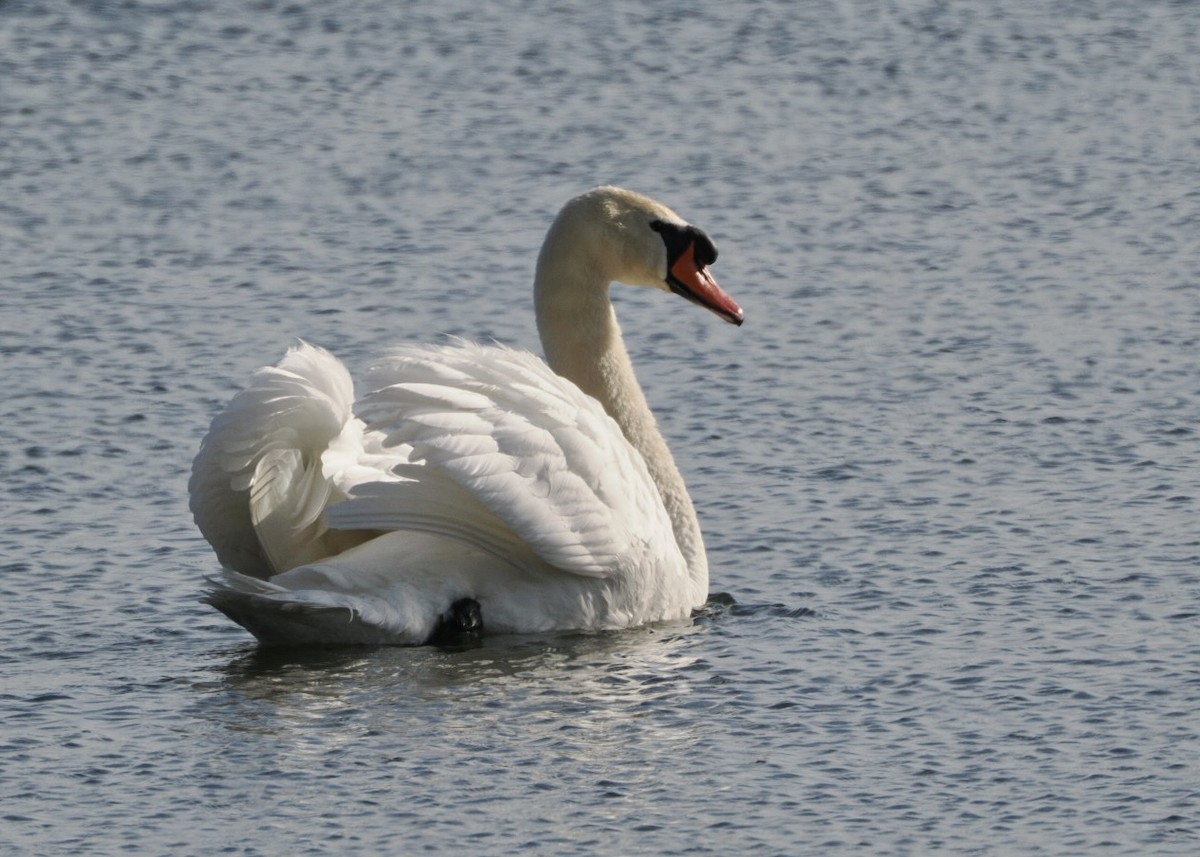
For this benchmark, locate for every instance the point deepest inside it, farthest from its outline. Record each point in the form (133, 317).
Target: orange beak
(694, 282)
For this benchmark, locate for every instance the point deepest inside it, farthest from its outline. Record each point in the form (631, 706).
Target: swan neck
(582, 342)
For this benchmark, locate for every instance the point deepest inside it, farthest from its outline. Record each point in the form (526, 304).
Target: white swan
(475, 485)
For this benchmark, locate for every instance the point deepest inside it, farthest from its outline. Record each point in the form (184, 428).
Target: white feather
(254, 490)
(532, 456)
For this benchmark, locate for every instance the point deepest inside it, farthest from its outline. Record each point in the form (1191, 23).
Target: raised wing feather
(509, 457)
(257, 490)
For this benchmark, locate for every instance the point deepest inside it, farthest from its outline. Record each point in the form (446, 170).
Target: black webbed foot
(462, 623)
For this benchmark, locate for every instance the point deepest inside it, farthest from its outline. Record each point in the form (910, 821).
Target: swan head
(630, 238)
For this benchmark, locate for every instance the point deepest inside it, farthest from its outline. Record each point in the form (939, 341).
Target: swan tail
(257, 490)
(277, 616)
(397, 589)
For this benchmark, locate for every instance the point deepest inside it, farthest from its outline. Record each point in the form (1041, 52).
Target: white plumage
(467, 474)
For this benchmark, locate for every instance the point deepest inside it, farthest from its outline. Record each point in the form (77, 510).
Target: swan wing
(257, 489)
(509, 457)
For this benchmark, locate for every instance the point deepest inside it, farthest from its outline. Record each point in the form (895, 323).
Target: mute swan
(474, 485)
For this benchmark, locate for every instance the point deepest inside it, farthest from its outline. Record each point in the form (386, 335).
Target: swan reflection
(590, 692)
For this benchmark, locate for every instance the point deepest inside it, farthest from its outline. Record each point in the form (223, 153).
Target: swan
(475, 488)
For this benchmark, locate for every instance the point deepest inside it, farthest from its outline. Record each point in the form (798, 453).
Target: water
(947, 470)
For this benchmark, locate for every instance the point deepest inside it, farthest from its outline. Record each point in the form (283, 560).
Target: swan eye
(678, 238)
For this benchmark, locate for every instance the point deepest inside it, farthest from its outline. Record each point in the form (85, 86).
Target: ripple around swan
(946, 470)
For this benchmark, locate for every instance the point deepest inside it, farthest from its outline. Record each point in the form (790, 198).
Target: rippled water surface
(947, 471)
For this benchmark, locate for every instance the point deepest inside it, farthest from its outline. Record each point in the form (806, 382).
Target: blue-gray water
(949, 469)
